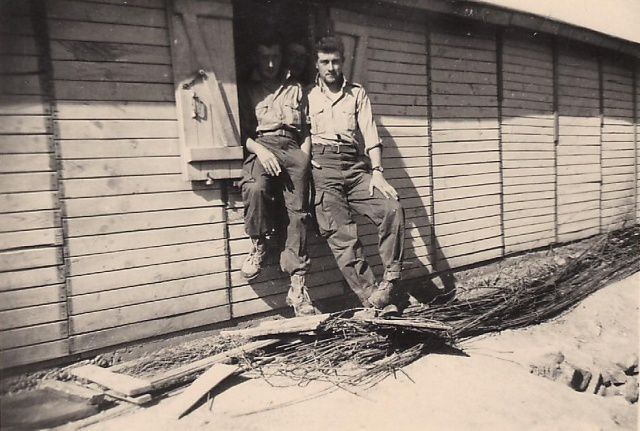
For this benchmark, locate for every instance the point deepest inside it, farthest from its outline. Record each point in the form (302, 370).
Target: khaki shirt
(265, 110)
(345, 118)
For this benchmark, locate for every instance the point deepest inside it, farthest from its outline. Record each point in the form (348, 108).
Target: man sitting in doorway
(341, 120)
(274, 130)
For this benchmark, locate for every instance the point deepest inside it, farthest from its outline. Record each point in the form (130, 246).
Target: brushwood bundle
(348, 351)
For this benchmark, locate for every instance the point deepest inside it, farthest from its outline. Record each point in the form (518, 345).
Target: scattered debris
(362, 350)
(121, 383)
(361, 347)
(200, 387)
(93, 397)
(280, 327)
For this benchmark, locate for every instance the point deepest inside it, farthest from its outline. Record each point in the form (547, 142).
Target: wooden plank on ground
(200, 387)
(171, 376)
(280, 326)
(122, 383)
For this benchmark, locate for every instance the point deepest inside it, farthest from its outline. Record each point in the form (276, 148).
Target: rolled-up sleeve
(366, 124)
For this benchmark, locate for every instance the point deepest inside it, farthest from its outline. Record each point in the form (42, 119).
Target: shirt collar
(323, 87)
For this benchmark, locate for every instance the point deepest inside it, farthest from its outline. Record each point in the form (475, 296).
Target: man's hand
(268, 161)
(378, 182)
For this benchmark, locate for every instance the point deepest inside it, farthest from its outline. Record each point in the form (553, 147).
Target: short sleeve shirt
(342, 118)
(266, 110)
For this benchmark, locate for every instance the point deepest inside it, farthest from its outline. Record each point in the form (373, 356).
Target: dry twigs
(351, 352)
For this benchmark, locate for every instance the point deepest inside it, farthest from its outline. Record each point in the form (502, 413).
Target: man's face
(329, 65)
(296, 59)
(269, 59)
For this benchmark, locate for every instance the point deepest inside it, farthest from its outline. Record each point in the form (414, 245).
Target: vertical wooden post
(634, 110)
(499, 85)
(556, 134)
(41, 29)
(601, 114)
(433, 255)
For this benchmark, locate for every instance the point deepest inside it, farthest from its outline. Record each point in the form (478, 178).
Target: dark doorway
(287, 21)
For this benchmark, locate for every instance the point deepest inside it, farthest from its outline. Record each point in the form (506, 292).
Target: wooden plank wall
(528, 142)
(466, 146)
(33, 320)
(636, 134)
(102, 242)
(396, 72)
(145, 251)
(398, 88)
(618, 146)
(579, 150)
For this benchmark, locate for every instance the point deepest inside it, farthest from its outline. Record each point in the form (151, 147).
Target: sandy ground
(490, 389)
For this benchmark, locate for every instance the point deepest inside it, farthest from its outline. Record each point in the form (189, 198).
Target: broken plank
(138, 401)
(404, 323)
(280, 326)
(121, 383)
(92, 396)
(175, 375)
(200, 387)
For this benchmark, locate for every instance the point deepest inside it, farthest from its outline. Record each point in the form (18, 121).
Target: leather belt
(280, 132)
(337, 147)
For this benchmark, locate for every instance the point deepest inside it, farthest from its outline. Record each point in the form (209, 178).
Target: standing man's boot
(381, 297)
(298, 297)
(253, 263)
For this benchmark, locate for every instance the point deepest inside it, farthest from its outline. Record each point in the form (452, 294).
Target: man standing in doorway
(274, 130)
(341, 122)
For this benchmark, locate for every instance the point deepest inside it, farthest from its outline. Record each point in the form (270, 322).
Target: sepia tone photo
(319, 215)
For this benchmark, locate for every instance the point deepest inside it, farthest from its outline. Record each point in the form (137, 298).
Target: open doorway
(287, 21)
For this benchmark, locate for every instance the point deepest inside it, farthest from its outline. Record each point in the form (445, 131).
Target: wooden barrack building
(119, 220)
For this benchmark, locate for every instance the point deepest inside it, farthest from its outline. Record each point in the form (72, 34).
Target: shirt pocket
(318, 121)
(262, 111)
(291, 115)
(346, 120)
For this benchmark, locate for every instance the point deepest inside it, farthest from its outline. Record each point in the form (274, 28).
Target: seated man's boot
(381, 297)
(253, 263)
(298, 297)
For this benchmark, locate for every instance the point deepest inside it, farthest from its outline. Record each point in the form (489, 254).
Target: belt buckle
(338, 145)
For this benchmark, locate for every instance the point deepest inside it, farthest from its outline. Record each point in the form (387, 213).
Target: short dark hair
(329, 44)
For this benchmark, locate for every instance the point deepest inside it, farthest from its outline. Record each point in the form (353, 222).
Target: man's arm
(249, 123)
(373, 147)
(268, 161)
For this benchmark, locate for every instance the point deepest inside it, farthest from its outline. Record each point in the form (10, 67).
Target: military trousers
(342, 190)
(260, 190)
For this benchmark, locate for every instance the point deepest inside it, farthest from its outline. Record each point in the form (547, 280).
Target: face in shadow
(296, 55)
(269, 60)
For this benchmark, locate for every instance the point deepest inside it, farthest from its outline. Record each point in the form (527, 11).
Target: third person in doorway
(341, 123)
(278, 147)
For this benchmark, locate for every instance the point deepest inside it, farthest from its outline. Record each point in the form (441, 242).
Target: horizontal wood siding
(33, 315)
(618, 147)
(636, 135)
(528, 147)
(399, 49)
(579, 151)
(145, 249)
(496, 140)
(466, 146)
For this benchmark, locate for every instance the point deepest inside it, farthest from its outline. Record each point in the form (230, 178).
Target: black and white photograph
(312, 215)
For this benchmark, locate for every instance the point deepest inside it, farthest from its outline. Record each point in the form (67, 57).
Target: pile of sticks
(349, 351)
